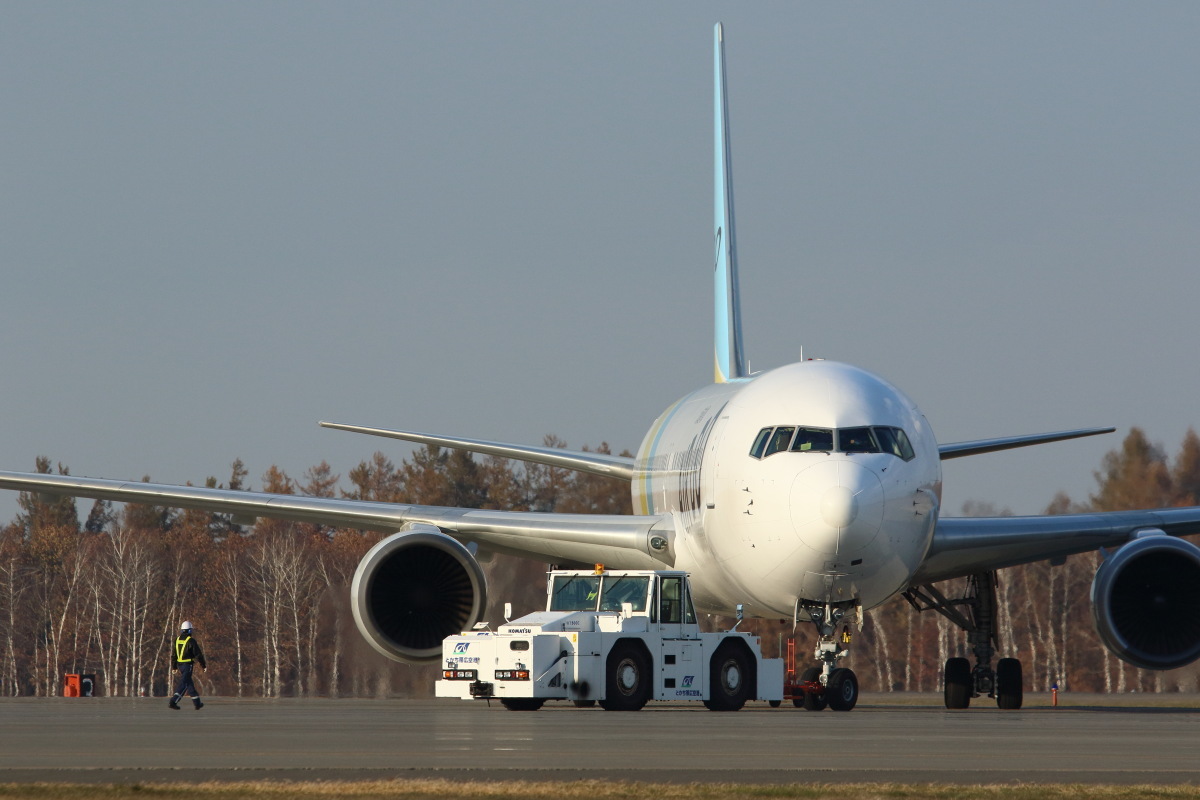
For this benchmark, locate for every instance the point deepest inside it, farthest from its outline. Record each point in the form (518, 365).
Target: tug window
(689, 611)
(675, 602)
(670, 602)
(625, 589)
(575, 593)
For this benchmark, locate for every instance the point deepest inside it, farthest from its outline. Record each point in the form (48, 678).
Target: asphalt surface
(1143, 739)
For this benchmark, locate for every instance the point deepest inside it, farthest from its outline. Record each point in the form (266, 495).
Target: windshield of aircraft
(873, 439)
(591, 593)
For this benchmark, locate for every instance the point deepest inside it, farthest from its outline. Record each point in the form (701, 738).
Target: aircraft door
(711, 465)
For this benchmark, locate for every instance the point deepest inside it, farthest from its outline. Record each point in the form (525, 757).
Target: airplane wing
(595, 463)
(967, 545)
(960, 449)
(621, 541)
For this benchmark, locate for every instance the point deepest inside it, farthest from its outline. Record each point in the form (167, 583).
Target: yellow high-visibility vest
(180, 646)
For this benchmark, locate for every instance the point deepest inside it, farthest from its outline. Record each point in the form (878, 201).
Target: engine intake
(1146, 602)
(414, 589)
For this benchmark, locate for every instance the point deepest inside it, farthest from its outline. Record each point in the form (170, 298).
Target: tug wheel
(627, 680)
(729, 679)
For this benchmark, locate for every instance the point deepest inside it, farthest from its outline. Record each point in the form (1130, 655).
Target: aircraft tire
(957, 683)
(842, 692)
(1009, 684)
(628, 679)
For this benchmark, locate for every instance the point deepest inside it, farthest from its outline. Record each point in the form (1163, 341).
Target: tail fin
(730, 361)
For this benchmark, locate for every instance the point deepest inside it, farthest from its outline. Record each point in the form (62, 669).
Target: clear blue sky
(222, 222)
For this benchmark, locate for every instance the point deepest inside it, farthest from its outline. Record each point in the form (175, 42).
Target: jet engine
(414, 589)
(1146, 602)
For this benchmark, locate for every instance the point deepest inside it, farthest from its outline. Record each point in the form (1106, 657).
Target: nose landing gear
(825, 684)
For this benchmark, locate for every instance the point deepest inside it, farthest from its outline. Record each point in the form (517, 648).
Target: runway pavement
(141, 740)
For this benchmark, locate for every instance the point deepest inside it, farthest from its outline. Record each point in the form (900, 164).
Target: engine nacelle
(414, 589)
(1146, 602)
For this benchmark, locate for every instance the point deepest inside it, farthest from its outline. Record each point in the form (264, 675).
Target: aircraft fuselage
(794, 487)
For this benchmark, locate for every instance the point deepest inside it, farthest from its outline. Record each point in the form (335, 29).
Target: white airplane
(810, 491)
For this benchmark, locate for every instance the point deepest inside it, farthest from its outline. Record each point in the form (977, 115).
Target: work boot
(174, 703)
(196, 702)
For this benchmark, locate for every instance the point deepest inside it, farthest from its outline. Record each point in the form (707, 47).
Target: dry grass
(585, 790)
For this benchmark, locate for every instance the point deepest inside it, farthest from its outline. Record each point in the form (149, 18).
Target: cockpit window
(876, 439)
(895, 441)
(779, 441)
(819, 439)
(857, 440)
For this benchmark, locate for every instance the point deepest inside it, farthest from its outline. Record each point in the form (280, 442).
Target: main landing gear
(975, 613)
(824, 685)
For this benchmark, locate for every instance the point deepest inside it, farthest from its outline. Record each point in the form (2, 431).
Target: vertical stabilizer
(730, 361)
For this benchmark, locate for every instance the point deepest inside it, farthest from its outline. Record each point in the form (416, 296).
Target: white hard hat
(186, 626)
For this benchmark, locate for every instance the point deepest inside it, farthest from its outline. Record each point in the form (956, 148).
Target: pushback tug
(619, 638)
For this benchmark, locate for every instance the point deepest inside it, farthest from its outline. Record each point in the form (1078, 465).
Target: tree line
(105, 593)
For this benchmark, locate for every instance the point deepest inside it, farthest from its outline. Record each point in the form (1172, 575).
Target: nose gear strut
(837, 686)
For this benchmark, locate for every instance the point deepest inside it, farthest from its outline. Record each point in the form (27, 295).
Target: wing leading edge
(596, 463)
(967, 545)
(623, 542)
(960, 449)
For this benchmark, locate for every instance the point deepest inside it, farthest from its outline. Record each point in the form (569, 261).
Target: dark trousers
(185, 681)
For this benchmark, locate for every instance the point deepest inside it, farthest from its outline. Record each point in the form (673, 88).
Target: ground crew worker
(187, 652)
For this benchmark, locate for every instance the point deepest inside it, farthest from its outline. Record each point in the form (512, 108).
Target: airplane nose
(837, 506)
